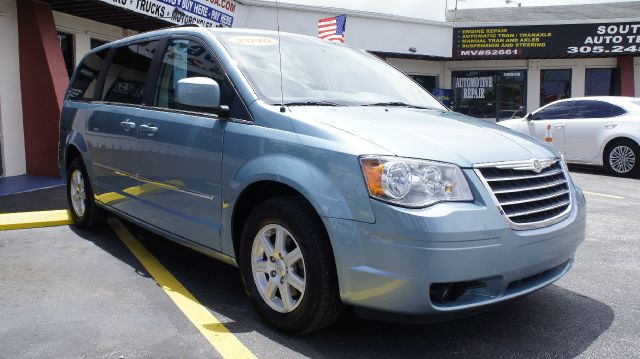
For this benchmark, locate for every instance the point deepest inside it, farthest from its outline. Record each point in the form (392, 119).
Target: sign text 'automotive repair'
(207, 13)
(540, 41)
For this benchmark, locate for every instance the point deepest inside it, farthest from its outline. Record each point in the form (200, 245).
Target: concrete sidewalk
(40, 200)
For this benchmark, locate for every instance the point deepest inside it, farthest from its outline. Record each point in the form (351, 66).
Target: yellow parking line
(213, 330)
(23, 220)
(602, 195)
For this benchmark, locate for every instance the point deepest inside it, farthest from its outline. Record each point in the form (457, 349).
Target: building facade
(474, 64)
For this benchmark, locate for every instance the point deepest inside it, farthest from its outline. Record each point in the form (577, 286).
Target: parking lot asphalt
(65, 292)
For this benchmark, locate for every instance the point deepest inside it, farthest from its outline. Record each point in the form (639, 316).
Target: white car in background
(601, 131)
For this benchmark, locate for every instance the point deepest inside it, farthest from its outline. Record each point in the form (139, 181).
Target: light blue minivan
(326, 175)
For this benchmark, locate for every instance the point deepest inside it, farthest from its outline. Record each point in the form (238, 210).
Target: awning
(108, 14)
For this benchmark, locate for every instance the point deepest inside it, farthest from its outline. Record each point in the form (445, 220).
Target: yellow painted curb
(23, 220)
(227, 344)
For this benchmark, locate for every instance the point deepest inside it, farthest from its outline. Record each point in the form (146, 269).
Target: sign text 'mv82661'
(547, 41)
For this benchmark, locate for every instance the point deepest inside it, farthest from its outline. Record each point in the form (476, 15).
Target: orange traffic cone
(547, 136)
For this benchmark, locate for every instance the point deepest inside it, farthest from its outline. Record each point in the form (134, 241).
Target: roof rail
(183, 25)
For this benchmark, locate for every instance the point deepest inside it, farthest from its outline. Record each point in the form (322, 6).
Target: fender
(338, 193)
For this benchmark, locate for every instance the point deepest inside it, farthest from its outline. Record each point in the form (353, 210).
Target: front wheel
(288, 267)
(621, 158)
(84, 211)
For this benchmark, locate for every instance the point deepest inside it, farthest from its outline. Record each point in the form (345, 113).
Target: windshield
(319, 72)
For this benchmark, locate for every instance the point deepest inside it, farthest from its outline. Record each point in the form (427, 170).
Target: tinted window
(600, 82)
(97, 43)
(427, 82)
(554, 85)
(617, 111)
(592, 109)
(187, 58)
(84, 83)
(560, 110)
(127, 74)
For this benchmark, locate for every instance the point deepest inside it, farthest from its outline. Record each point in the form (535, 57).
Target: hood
(428, 134)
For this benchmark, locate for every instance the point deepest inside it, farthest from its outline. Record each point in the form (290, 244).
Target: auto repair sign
(547, 41)
(207, 13)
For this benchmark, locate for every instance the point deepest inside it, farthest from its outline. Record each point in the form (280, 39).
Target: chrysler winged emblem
(537, 166)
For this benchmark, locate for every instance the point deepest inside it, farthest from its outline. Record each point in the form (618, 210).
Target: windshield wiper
(312, 103)
(399, 104)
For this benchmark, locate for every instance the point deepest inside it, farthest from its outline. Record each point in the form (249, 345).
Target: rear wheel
(621, 158)
(82, 206)
(288, 267)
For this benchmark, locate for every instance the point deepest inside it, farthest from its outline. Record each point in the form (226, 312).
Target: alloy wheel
(622, 159)
(77, 192)
(278, 268)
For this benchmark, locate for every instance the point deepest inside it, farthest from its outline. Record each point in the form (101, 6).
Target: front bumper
(393, 265)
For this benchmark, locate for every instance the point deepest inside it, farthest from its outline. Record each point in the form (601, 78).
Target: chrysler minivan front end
(508, 230)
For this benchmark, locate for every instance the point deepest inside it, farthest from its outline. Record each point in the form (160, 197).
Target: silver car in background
(330, 179)
(601, 131)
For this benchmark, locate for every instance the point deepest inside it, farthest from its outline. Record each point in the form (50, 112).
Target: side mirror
(199, 93)
(529, 117)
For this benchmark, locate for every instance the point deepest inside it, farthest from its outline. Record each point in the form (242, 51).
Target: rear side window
(592, 109)
(83, 85)
(617, 111)
(560, 110)
(127, 74)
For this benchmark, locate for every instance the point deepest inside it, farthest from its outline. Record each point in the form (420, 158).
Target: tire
(318, 304)
(82, 206)
(622, 158)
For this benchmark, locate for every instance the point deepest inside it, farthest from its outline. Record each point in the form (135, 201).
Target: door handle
(127, 125)
(562, 125)
(148, 129)
(610, 125)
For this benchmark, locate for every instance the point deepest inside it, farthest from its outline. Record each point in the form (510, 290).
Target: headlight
(414, 183)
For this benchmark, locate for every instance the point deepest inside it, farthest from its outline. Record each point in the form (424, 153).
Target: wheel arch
(251, 196)
(75, 146)
(612, 141)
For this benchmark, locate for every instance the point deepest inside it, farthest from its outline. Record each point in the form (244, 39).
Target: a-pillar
(44, 79)
(627, 78)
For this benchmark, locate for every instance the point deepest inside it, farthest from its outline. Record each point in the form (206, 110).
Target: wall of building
(11, 127)
(366, 31)
(533, 67)
(12, 139)
(84, 30)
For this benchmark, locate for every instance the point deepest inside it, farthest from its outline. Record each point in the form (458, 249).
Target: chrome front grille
(531, 194)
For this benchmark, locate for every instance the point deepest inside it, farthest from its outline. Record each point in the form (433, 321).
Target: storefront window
(427, 82)
(600, 82)
(495, 95)
(66, 45)
(554, 85)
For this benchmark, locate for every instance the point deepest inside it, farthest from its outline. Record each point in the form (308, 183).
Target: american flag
(332, 28)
